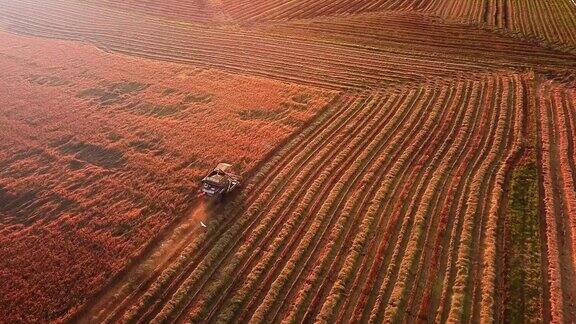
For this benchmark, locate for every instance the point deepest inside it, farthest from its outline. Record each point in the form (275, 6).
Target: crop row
(401, 266)
(419, 147)
(556, 138)
(434, 174)
(323, 64)
(261, 10)
(419, 32)
(189, 11)
(370, 269)
(350, 196)
(550, 22)
(332, 242)
(489, 261)
(502, 152)
(459, 140)
(394, 267)
(475, 203)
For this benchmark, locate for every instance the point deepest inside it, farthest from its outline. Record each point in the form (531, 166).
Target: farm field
(100, 151)
(402, 161)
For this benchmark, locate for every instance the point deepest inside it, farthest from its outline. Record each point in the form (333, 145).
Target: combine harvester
(220, 182)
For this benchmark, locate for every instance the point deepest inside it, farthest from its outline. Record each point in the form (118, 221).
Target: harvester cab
(220, 181)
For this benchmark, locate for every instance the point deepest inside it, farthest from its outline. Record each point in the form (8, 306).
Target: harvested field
(550, 23)
(293, 59)
(402, 161)
(418, 32)
(195, 11)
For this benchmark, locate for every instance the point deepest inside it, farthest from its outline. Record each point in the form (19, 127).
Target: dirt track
(128, 286)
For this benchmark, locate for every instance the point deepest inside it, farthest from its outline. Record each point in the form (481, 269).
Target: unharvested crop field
(403, 161)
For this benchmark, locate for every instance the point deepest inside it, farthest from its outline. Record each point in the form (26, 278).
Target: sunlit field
(399, 160)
